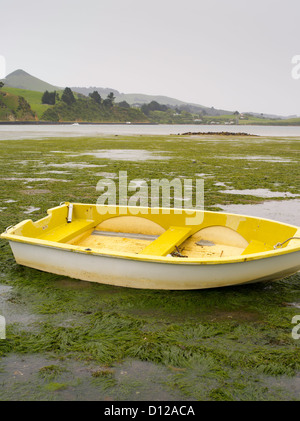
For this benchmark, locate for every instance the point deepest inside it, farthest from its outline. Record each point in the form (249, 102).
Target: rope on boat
(281, 244)
(177, 253)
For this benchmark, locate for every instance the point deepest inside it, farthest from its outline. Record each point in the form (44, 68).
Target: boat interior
(157, 231)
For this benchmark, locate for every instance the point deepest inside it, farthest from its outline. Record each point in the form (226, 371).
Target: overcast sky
(230, 54)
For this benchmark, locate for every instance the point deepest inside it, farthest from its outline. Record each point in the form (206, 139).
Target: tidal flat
(73, 340)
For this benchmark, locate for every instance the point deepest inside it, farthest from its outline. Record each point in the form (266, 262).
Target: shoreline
(70, 123)
(83, 123)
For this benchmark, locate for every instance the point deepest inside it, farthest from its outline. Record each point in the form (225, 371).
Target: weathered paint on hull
(124, 272)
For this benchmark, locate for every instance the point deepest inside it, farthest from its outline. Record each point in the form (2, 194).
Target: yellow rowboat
(156, 248)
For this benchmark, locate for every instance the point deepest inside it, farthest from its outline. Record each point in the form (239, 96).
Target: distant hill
(140, 99)
(271, 116)
(23, 80)
(19, 79)
(132, 99)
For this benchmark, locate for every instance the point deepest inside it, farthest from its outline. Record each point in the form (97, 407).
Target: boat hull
(145, 274)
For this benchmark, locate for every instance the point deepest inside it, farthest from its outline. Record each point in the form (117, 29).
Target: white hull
(147, 274)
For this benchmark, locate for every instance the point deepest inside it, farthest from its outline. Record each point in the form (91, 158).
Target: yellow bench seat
(256, 247)
(167, 241)
(67, 231)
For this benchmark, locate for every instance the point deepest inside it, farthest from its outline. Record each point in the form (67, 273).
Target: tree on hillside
(96, 97)
(109, 101)
(153, 106)
(1, 85)
(49, 97)
(111, 96)
(68, 96)
(123, 104)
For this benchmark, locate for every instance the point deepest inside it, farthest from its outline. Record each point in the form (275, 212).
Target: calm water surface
(25, 131)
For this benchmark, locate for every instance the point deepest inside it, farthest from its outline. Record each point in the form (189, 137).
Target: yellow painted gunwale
(151, 258)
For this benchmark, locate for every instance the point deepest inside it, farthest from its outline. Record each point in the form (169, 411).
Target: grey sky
(230, 54)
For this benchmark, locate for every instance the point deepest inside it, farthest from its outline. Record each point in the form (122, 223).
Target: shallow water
(106, 174)
(261, 158)
(31, 209)
(287, 211)
(124, 154)
(26, 131)
(55, 172)
(35, 377)
(78, 165)
(27, 180)
(257, 192)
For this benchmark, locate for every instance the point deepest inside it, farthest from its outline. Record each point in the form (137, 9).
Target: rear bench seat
(67, 231)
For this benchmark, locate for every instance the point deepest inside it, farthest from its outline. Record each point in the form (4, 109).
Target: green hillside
(34, 98)
(138, 107)
(31, 88)
(87, 110)
(15, 108)
(83, 109)
(22, 80)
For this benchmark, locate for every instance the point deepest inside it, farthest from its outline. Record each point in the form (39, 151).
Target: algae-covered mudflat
(73, 340)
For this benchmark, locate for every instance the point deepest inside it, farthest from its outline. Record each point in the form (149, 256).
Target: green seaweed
(231, 343)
